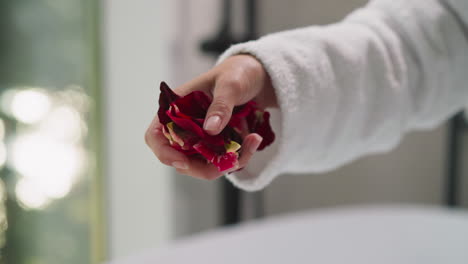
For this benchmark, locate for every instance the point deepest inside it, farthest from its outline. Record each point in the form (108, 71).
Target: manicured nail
(180, 165)
(213, 123)
(254, 146)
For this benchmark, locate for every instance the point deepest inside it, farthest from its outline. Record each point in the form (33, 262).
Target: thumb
(219, 113)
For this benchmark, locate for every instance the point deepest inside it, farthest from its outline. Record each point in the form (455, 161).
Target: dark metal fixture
(231, 196)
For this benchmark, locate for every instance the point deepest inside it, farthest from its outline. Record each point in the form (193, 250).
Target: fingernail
(254, 146)
(213, 123)
(180, 165)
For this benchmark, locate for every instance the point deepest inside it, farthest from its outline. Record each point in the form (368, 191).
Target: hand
(236, 81)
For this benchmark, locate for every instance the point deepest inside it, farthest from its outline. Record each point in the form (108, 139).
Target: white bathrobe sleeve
(354, 88)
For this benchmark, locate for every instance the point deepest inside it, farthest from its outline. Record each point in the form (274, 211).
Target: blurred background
(78, 87)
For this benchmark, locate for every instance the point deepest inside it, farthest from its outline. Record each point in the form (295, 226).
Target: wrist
(266, 96)
(268, 92)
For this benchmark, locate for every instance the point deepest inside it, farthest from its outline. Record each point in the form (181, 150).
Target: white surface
(392, 235)
(138, 186)
(356, 87)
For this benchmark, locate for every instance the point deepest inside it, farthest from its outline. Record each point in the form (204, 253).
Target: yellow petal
(259, 116)
(232, 146)
(167, 135)
(173, 134)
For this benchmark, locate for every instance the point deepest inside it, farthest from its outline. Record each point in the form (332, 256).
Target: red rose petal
(199, 121)
(240, 112)
(187, 152)
(259, 122)
(194, 104)
(166, 97)
(188, 114)
(245, 109)
(205, 151)
(226, 161)
(186, 124)
(223, 161)
(176, 111)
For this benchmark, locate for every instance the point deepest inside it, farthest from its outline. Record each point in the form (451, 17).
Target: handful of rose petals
(183, 117)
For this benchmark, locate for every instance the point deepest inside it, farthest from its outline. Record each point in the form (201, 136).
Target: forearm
(355, 87)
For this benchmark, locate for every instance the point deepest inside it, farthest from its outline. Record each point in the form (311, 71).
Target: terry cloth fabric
(355, 87)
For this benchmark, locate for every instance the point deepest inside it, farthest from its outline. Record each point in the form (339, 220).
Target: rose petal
(240, 112)
(167, 135)
(226, 161)
(205, 151)
(217, 140)
(194, 104)
(259, 122)
(176, 111)
(174, 136)
(223, 161)
(186, 124)
(188, 138)
(245, 109)
(166, 97)
(183, 118)
(187, 152)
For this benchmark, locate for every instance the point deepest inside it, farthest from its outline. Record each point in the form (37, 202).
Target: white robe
(355, 87)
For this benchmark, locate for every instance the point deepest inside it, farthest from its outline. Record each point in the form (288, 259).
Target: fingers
(228, 87)
(249, 147)
(225, 96)
(204, 170)
(159, 144)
